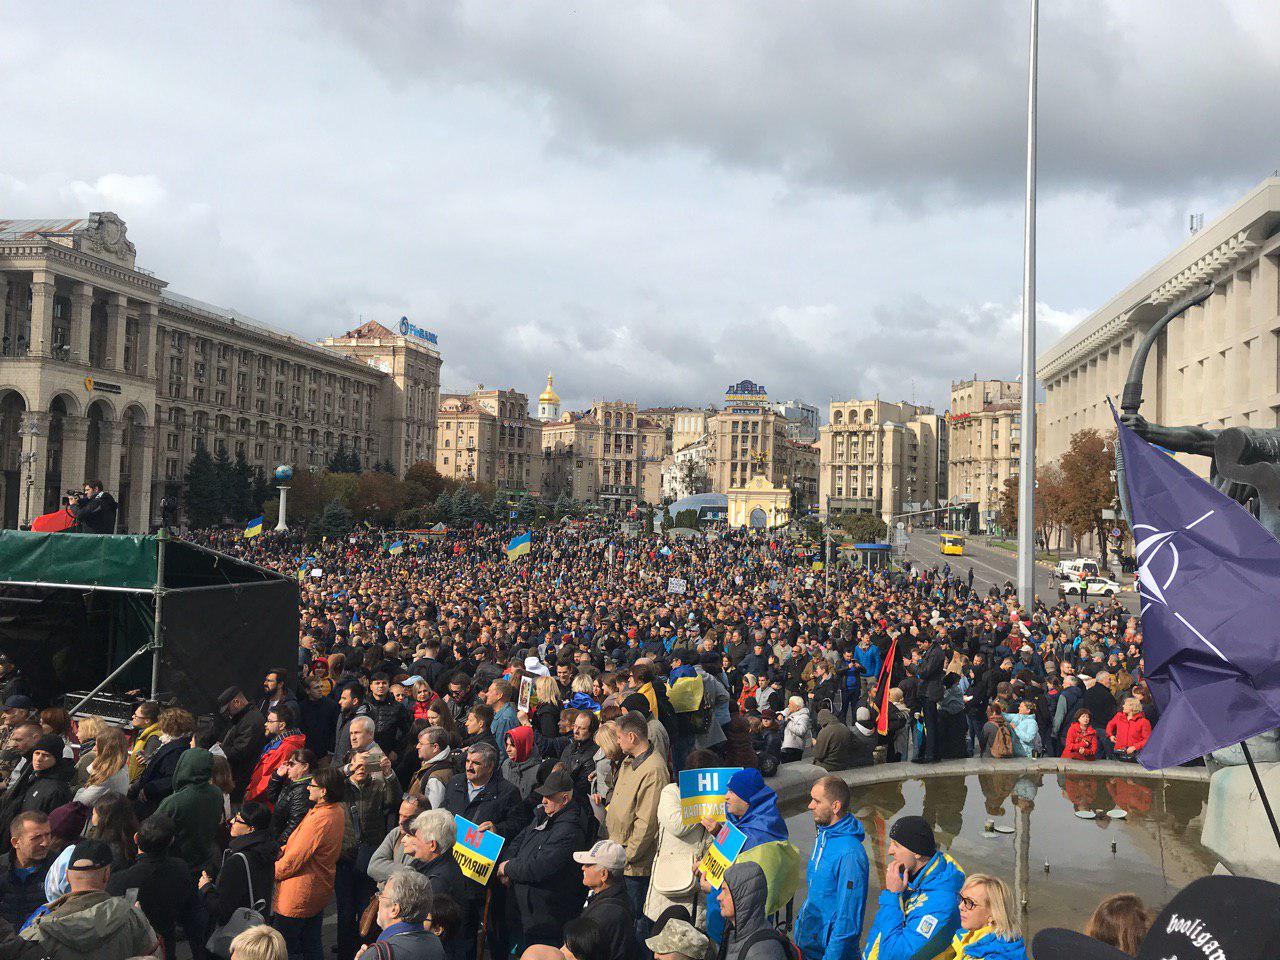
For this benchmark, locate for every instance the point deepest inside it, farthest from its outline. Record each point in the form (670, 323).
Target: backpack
(1002, 743)
(770, 933)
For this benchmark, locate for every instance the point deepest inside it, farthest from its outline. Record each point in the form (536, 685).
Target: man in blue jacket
(919, 908)
(830, 922)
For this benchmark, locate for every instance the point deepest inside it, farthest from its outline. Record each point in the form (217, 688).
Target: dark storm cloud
(1137, 98)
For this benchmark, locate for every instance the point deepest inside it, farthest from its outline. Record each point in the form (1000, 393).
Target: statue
(1245, 467)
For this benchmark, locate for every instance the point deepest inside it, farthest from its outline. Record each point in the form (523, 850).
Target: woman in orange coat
(304, 872)
(1082, 739)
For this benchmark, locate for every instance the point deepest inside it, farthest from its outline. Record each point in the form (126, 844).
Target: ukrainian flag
(520, 545)
(397, 548)
(254, 528)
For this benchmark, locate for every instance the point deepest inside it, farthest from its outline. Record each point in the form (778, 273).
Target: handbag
(241, 919)
(673, 875)
(369, 918)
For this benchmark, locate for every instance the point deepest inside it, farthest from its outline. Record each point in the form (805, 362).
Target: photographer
(96, 510)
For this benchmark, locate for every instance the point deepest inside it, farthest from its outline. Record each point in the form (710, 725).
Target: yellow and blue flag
(476, 850)
(254, 528)
(520, 545)
(397, 548)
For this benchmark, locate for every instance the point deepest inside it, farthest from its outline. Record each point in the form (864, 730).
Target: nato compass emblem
(1158, 562)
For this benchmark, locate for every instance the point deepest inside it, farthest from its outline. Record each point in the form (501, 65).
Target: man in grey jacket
(742, 901)
(391, 853)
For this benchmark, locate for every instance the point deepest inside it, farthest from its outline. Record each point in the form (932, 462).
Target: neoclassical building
(105, 374)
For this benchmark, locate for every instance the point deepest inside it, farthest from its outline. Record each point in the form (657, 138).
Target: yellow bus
(951, 543)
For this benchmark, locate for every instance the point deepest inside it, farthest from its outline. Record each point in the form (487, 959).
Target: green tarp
(97, 560)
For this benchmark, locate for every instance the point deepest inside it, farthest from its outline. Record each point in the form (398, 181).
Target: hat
(51, 744)
(227, 695)
(536, 667)
(412, 681)
(915, 834)
(605, 854)
(639, 703)
(747, 784)
(1223, 916)
(557, 782)
(90, 855)
(679, 936)
(19, 702)
(68, 821)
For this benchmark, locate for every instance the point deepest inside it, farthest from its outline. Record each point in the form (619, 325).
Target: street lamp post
(1027, 454)
(27, 461)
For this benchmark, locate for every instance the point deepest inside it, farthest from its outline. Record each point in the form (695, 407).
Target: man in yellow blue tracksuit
(919, 909)
(830, 923)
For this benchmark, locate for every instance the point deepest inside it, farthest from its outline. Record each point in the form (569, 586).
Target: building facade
(747, 438)
(801, 420)
(985, 438)
(609, 456)
(488, 436)
(105, 374)
(1217, 365)
(549, 403)
(881, 458)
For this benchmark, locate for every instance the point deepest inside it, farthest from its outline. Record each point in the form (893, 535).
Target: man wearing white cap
(607, 901)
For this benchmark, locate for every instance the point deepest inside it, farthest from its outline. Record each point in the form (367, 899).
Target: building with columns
(105, 374)
(880, 458)
(489, 437)
(609, 455)
(984, 423)
(1217, 365)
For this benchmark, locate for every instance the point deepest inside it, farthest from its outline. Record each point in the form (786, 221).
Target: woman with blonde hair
(607, 759)
(87, 729)
(1121, 921)
(258, 943)
(987, 926)
(108, 772)
(546, 711)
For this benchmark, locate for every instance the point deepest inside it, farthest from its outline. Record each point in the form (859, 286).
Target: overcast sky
(654, 200)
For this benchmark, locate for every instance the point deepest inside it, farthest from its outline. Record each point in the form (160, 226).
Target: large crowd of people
(552, 701)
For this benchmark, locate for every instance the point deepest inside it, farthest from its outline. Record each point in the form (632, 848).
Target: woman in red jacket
(1128, 731)
(1082, 739)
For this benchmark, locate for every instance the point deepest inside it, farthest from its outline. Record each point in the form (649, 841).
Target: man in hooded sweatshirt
(919, 909)
(752, 806)
(830, 922)
(749, 934)
(196, 809)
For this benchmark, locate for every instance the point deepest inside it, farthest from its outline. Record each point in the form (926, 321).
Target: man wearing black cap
(1214, 918)
(919, 907)
(539, 865)
(45, 785)
(89, 922)
(244, 737)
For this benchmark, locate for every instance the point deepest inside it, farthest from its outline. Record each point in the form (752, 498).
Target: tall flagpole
(1027, 456)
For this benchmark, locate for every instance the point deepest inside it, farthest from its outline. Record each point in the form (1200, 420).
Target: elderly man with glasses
(404, 904)
(428, 841)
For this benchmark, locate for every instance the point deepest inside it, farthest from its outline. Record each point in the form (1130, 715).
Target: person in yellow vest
(146, 723)
(987, 930)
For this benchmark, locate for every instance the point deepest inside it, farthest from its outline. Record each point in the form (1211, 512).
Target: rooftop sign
(408, 329)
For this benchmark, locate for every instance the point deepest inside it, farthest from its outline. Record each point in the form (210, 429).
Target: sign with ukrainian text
(476, 850)
(723, 851)
(702, 793)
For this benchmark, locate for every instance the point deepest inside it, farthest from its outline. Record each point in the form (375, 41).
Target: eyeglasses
(969, 903)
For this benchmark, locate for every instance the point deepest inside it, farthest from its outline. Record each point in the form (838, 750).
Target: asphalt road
(989, 566)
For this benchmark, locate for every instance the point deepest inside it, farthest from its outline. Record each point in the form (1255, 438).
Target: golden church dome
(548, 395)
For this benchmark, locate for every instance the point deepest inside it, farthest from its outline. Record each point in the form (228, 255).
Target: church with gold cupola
(549, 403)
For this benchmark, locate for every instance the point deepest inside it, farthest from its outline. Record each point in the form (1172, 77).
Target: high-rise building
(608, 455)
(748, 438)
(985, 425)
(488, 436)
(881, 458)
(105, 374)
